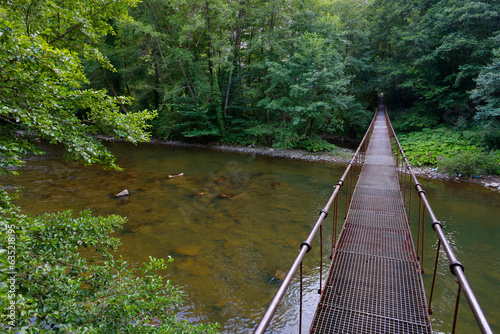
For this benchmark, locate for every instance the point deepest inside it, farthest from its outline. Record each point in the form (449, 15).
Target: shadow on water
(233, 224)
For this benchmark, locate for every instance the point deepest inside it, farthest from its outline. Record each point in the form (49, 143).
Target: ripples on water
(233, 222)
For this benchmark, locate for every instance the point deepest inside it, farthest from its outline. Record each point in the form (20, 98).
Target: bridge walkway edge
(374, 284)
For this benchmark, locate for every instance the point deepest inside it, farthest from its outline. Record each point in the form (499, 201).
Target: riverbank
(339, 155)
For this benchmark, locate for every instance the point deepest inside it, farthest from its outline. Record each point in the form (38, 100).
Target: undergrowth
(453, 152)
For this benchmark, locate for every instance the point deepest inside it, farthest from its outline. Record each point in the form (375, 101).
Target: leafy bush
(490, 135)
(412, 121)
(191, 120)
(470, 164)
(424, 148)
(56, 287)
(162, 126)
(285, 138)
(453, 152)
(316, 144)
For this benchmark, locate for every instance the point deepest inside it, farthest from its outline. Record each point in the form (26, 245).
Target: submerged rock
(185, 264)
(188, 250)
(199, 270)
(136, 227)
(277, 184)
(279, 274)
(232, 243)
(224, 302)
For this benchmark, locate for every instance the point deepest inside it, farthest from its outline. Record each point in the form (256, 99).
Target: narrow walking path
(374, 284)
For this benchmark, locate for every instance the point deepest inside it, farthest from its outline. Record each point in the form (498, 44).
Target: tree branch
(79, 24)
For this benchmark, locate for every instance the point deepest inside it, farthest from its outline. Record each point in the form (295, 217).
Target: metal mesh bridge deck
(374, 284)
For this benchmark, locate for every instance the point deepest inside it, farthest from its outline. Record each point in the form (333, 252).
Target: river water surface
(233, 224)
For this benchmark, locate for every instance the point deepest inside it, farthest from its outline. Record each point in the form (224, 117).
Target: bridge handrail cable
(456, 267)
(305, 247)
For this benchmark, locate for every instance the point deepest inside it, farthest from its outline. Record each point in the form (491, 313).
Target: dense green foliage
(47, 280)
(287, 72)
(41, 87)
(452, 151)
(439, 69)
(279, 72)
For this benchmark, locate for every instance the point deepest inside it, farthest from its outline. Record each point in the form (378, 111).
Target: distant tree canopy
(244, 71)
(262, 71)
(431, 54)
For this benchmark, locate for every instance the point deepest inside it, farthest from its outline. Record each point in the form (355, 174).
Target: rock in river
(122, 193)
(173, 176)
(185, 264)
(279, 274)
(199, 270)
(188, 250)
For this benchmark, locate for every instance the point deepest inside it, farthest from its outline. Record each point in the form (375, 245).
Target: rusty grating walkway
(374, 284)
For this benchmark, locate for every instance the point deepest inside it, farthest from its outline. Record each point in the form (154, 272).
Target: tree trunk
(235, 49)
(110, 85)
(158, 81)
(188, 81)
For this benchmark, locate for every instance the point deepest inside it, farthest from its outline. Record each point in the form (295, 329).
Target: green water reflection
(232, 222)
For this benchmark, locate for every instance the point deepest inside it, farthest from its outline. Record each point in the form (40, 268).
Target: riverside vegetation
(282, 73)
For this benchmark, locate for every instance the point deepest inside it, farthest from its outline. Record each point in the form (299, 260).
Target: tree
(309, 89)
(434, 51)
(487, 96)
(203, 64)
(45, 282)
(41, 88)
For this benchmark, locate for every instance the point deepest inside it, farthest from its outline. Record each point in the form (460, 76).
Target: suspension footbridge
(374, 283)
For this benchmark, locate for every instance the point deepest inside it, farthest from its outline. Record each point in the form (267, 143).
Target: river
(233, 224)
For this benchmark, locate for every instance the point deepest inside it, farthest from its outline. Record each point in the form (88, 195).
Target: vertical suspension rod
(456, 267)
(305, 247)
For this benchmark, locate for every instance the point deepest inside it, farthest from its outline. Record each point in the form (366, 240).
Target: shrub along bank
(454, 152)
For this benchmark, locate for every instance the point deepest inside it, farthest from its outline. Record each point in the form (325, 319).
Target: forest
(286, 73)
(293, 74)
(281, 73)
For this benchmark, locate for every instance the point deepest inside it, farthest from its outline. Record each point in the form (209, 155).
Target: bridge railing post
(347, 179)
(456, 267)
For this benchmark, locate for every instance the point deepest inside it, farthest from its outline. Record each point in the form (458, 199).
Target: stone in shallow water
(188, 250)
(279, 274)
(224, 302)
(232, 243)
(185, 264)
(199, 270)
(135, 227)
(223, 225)
(122, 193)
(278, 184)
(173, 176)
